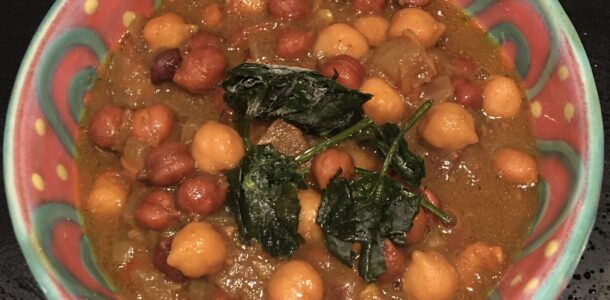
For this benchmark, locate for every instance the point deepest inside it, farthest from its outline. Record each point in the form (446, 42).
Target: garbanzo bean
(153, 124)
(326, 165)
(308, 228)
(217, 147)
(197, 250)
(422, 24)
(108, 195)
(448, 126)
(501, 98)
(211, 16)
(429, 276)
(296, 280)
(516, 166)
(374, 28)
(340, 39)
(165, 31)
(477, 261)
(386, 106)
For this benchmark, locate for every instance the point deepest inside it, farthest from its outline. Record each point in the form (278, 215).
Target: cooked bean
(296, 280)
(328, 163)
(340, 39)
(516, 166)
(201, 69)
(164, 66)
(414, 3)
(386, 106)
(108, 195)
(477, 262)
(418, 229)
(160, 261)
(374, 28)
(421, 23)
(349, 69)
(308, 228)
(222, 295)
(217, 147)
(462, 66)
(289, 9)
(429, 276)
(168, 164)
(394, 262)
(197, 250)
(105, 125)
(501, 98)
(294, 43)
(467, 93)
(368, 6)
(166, 31)
(448, 126)
(211, 16)
(153, 124)
(202, 40)
(156, 211)
(245, 8)
(202, 195)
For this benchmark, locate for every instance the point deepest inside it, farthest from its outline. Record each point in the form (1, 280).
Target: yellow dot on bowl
(38, 182)
(551, 248)
(531, 285)
(90, 6)
(568, 111)
(128, 17)
(40, 127)
(62, 173)
(536, 109)
(516, 280)
(563, 73)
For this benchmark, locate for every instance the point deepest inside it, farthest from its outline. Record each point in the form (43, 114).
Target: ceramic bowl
(59, 67)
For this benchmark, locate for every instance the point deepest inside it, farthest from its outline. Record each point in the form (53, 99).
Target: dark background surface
(20, 18)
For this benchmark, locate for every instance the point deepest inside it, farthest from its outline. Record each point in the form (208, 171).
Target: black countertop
(19, 20)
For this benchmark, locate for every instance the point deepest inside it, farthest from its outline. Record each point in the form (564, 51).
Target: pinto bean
(289, 9)
(168, 164)
(467, 93)
(160, 261)
(368, 6)
(326, 165)
(294, 43)
(156, 211)
(164, 66)
(202, 195)
(351, 72)
(413, 3)
(394, 262)
(202, 40)
(153, 124)
(201, 69)
(104, 126)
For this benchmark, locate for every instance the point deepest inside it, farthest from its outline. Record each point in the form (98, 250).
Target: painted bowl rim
(579, 234)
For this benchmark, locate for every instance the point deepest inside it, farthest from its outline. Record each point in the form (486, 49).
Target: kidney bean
(164, 66)
(394, 262)
(153, 124)
(105, 125)
(368, 6)
(289, 9)
(351, 72)
(294, 43)
(156, 211)
(202, 195)
(463, 67)
(202, 40)
(418, 228)
(201, 69)
(413, 3)
(467, 93)
(167, 164)
(160, 261)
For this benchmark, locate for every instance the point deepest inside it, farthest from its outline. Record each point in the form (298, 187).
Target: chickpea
(363, 158)
(201, 69)
(516, 166)
(105, 126)
(167, 164)
(197, 250)
(217, 147)
(448, 126)
(349, 70)
(418, 229)
(478, 261)
(429, 276)
(245, 7)
(308, 228)
(153, 124)
(296, 280)
(501, 98)
(294, 43)
(368, 6)
(211, 16)
(165, 31)
(422, 24)
(202, 195)
(340, 39)
(374, 29)
(156, 211)
(289, 9)
(394, 262)
(108, 195)
(386, 106)
(202, 40)
(328, 163)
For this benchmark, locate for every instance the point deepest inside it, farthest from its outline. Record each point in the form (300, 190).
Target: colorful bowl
(42, 182)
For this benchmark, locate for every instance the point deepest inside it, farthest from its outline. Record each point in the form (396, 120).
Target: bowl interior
(42, 181)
